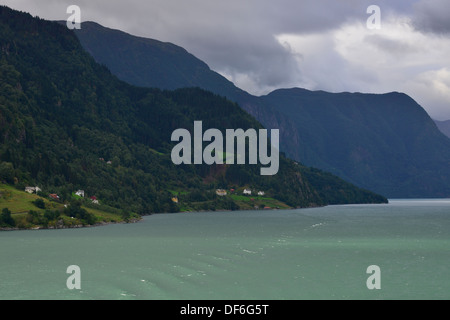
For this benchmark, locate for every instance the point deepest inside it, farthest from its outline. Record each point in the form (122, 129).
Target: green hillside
(28, 213)
(67, 124)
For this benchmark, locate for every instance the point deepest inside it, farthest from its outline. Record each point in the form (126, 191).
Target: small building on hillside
(80, 193)
(53, 196)
(94, 200)
(261, 193)
(248, 192)
(221, 192)
(32, 190)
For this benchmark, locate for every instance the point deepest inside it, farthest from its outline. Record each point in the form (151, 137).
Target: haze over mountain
(444, 126)
(66, 123)
(386, 143)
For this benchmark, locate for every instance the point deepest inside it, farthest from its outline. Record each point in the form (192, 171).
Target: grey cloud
(432, 16)
(234, 35)
(394, 47)
(237, 37)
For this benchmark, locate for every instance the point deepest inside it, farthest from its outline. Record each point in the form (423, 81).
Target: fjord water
(320, 253)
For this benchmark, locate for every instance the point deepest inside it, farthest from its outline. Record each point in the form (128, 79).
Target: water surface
(320, 253)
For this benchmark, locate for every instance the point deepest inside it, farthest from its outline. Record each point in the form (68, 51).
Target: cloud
(432, 88)
(236, 38)
(263, 45)
(396, 58)
(432, 16)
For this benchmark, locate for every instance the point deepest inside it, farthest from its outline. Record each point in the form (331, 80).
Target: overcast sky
(262, 45)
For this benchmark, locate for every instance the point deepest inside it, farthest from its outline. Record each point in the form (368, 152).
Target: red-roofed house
(94, 200)
(54, 196)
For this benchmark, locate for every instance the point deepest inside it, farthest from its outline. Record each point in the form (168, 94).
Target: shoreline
(100, 224)
(132, 221)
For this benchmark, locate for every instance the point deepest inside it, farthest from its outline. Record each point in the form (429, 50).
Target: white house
(32, 189)
(80, 193)
(248, 192)
(221, 192)
(261, 193)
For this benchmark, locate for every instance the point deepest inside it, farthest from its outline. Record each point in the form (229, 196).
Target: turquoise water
(320, 253)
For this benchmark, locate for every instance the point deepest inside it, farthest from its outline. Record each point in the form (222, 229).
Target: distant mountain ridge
(123, 54)
(385, 143)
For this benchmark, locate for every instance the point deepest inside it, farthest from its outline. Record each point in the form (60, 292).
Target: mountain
(161, 65)
(66, 123)
(444, 126)
(385, 143)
